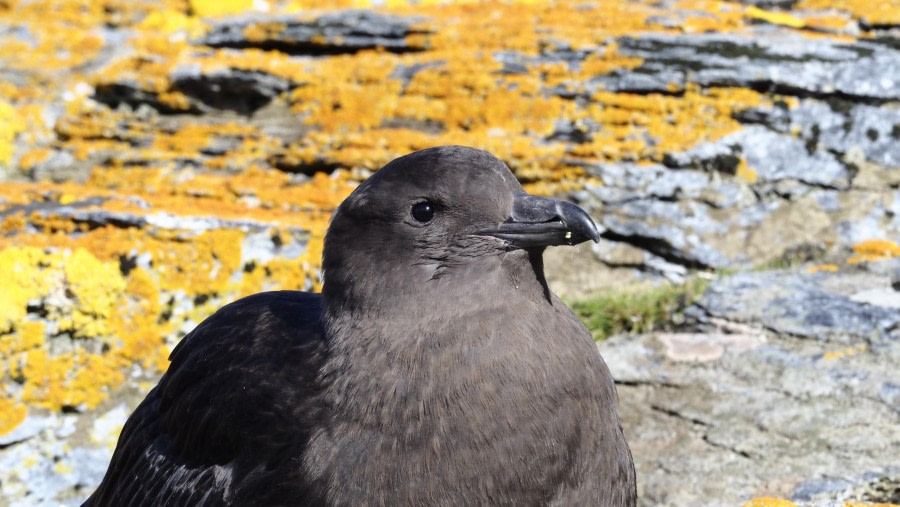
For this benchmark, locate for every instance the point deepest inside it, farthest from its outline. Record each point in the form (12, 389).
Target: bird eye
(423, 212)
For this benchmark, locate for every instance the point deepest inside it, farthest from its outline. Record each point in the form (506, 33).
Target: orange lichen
(80, 295)
(774, 18)
(885, 12)
(217, 8)
(746, 172)
(12, 413)
(829, 268)
(769, 502)
(11, 125)
(874, 250)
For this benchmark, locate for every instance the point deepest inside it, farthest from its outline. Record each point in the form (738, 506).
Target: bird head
(440, 214)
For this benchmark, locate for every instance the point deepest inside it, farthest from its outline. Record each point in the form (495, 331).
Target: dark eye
(423, 212)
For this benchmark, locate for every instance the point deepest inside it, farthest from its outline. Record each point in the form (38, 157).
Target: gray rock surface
(60, 462)
(237, 90)
(771, 58)
(774, 156)
(223, 89)
(332, 33)
(697, 218)
(839, 127)
(782, 385)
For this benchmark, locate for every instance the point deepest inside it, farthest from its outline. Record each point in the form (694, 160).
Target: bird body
(436, 368)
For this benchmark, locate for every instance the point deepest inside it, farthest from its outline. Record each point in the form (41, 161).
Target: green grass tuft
(637, 310)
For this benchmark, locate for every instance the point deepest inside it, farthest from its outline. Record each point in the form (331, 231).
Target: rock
(242, 91)
(774, 157)
(30, 427)
(50, 469)
(656, 232)
(333, 33)
(886, 297)
(839, 127)
(702, 347)
(59, 165)
(204, 90)
(761, 395)
(689, 214)
(768, 58)
(126, 91)
(106, 428)
(822, 306)
(85, 212)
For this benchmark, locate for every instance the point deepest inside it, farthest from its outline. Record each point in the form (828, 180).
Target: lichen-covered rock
(201, 90)
(158, 156)
(333, 33)
(773, 157)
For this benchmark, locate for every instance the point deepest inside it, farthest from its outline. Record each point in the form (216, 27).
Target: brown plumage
(436, 368)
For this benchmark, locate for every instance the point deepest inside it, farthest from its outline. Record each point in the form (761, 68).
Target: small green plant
(637, 310)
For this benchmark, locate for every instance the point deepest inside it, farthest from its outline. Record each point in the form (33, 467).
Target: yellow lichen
(775, 18)
(746, 172)
(769, 502)
(11, 125)
(874, 250)
(171, 21)
(845, 352)
(885, 12)
(81, 295)
(12, 414)
(218, 8)
(829, 268)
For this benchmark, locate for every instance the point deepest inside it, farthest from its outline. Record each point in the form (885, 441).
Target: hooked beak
(541, 221)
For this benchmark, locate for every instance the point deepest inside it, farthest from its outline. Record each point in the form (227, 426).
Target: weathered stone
(236, 90)
(30, 427)
(775, 157)
(770, 59)
(652, 226)
(224, 88)
(704, 347)
(48, 470)
(58, 166)
(80, 212)
(819, 307)
(800, 207)
(774, 410)
(130, 93)
(840, 127)
(332, 33)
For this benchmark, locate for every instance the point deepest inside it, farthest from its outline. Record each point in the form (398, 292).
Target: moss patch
(638, 309)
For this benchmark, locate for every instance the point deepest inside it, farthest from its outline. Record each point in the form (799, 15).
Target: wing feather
(230, 419)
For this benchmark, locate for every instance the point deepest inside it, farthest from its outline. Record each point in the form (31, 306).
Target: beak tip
(596, 233)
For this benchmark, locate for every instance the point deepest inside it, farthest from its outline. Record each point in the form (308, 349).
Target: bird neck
(424, 301)
(426, 344)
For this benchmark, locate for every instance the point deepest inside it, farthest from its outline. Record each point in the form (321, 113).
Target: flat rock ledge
(785, 384)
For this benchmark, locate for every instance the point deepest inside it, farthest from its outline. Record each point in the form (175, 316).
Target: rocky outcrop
(771, 59)
(332, 33)
(156, 164)
(781, 384)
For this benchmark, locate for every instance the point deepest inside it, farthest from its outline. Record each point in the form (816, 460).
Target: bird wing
(230, 418)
